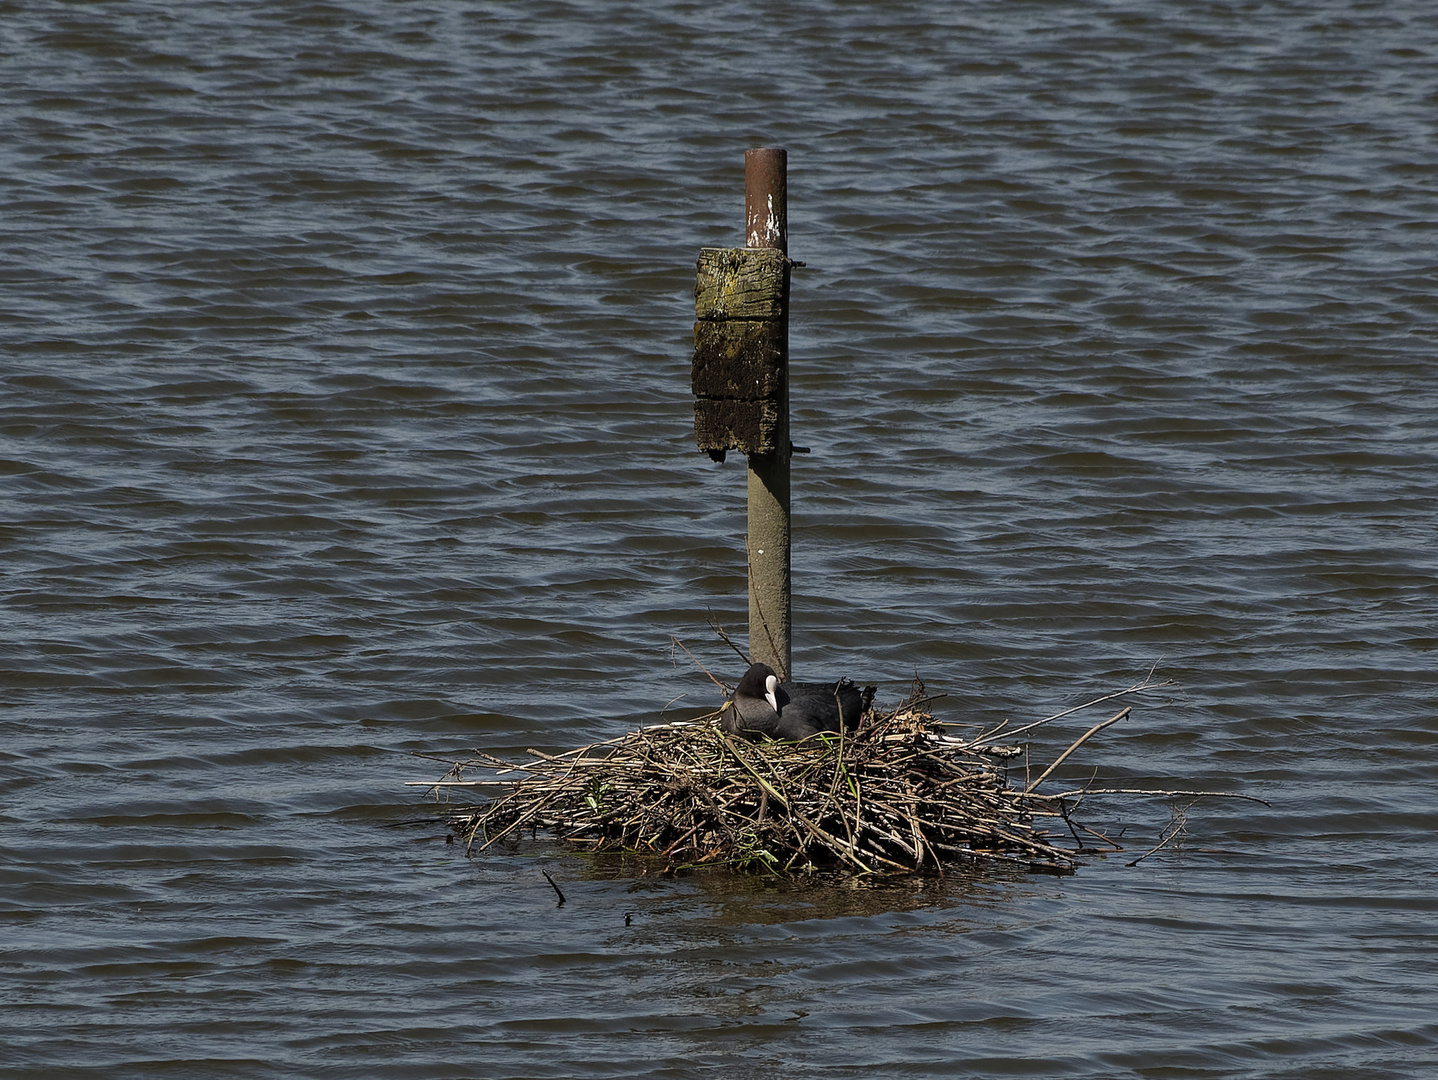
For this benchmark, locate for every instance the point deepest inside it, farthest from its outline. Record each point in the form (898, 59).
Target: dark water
(345, 414)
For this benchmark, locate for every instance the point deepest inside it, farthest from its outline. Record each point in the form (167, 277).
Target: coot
(763, 705)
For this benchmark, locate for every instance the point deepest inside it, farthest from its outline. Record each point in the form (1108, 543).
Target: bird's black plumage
(763, 705)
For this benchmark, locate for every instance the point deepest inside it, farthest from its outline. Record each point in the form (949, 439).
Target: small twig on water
(1166, 792)
(555, 887)
(1176, 828)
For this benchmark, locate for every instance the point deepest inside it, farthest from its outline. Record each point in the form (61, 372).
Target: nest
(897, 795)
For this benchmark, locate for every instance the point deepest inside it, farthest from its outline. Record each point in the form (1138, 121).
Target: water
(345, 414)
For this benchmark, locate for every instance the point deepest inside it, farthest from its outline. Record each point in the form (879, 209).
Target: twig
(675, 642)
(1154, 791)
(714, 625)
(554, 887)
(1010, 733)
(1114, 719)
(1175, 829)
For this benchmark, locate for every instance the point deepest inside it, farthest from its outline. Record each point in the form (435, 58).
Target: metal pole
(766, 225)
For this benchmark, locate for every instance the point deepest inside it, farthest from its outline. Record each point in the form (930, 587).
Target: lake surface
(345, 414)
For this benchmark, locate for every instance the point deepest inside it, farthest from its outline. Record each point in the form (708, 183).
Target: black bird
(763, 705)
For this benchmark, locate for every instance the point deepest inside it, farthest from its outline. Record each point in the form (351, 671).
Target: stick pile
(896, 795)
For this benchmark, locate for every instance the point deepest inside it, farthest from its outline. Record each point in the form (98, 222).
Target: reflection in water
(742, 900)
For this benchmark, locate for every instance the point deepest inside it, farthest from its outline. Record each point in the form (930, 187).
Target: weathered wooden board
(729, 424)
(739, 358)
(741, 349)
(741, 283)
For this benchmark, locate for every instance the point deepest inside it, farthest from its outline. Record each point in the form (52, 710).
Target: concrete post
(766, 225)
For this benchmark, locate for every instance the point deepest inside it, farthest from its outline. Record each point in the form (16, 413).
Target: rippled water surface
(346, 414)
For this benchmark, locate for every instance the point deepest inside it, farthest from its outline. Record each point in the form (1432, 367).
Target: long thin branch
(1009, 734)
(1114, 719)
(714, 625)
(1152, 791)
(674, 641)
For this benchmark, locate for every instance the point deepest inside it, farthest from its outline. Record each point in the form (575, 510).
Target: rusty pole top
(766, 198)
